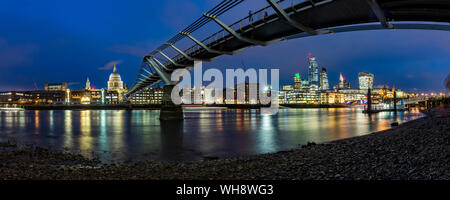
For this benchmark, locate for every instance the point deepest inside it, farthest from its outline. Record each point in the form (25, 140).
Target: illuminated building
(11, 96)
(148, 96)
(297, 82)
(85, 96)
(324, 85)
(67, 96)
(288, 88)
(343, 84)
(365, 80)
(303, 97)
(332, 98)
(45, 97)
(353, 95)
(313, 73)
(88, 84)
(33, 97)
(115, 83)
(112, 97)
(55, 86)
(80, 97)
(305, 84)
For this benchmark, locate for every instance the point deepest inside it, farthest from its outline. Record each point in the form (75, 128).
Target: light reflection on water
(119, 135)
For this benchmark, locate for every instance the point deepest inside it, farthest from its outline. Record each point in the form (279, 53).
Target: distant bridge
(415, 100)
(284, 20)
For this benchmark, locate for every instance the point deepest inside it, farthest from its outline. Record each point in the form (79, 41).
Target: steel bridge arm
(379, 13)
(164, 76)
(180, 52)
(287, 18)
(170, 60)
(204, 46)
(148, 72)
(234, 33)
(160, 64)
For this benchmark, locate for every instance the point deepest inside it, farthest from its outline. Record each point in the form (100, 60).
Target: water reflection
(36, 121)
(68, 143)
(171, 140)
(139, 135)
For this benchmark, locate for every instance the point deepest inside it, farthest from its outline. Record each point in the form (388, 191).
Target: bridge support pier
(169, 110)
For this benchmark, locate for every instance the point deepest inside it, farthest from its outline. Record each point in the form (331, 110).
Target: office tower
(365, 80)
(324, 85)
(297, 82)
(313, 73)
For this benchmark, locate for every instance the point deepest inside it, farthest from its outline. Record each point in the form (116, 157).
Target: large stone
(169, 110)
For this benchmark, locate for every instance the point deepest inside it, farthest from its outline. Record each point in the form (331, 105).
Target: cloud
(410, 76)
(110, 65)
(129, 50)
(16, 55)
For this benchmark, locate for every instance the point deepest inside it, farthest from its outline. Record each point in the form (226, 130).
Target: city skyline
(38, 47)
(283, 82)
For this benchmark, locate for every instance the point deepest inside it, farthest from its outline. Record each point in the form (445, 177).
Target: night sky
(53, 41)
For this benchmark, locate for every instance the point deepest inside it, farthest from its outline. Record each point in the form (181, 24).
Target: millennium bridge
(278, 21)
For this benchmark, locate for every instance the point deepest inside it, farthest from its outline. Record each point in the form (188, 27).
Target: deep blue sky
(53, 41)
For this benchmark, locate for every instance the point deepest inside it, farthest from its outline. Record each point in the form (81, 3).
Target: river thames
(138, 135)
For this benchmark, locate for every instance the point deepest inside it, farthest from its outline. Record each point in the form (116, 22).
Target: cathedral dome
(115, 81)
(115, 77)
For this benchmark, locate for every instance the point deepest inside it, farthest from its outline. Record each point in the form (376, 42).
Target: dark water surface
(119, 135)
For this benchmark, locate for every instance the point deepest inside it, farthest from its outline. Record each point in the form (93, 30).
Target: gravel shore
(416, 150)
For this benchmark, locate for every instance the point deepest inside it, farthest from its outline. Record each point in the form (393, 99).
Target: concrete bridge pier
(169, 110)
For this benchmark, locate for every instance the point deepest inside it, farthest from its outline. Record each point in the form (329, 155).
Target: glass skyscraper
(313, 73)
(324, 85)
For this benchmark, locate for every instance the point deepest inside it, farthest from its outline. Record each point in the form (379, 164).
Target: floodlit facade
(148, 96)
(115, 83)
(324, 85)
(304, 97)
(55, 86)
(297, 82)
(365, 80)
(288, 88)
(329, 97)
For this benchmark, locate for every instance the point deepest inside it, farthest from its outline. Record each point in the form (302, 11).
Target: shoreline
(158, 106)
(398, 153)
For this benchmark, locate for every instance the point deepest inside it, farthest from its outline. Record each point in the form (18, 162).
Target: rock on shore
(414, 150)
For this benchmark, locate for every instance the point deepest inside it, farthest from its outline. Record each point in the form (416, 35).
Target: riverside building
(365, 80)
